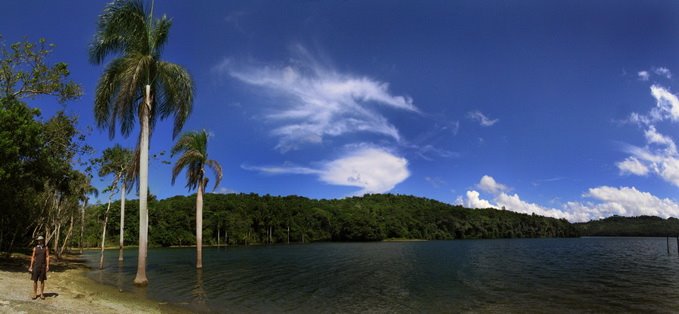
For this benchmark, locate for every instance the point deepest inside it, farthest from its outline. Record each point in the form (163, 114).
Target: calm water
(535, 275)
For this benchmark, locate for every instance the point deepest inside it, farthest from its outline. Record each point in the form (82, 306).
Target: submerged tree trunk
(140, 279)
(103, 233)
(199, 225)
(122, 221)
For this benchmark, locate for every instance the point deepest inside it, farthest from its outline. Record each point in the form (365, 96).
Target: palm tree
(193, 149)
(137, 84)
(116, 161)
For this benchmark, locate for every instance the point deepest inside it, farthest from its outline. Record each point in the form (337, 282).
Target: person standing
(40, 265)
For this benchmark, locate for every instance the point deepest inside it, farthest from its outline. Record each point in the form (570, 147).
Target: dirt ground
(67, 290)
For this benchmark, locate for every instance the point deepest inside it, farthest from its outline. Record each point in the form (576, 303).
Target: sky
(567, 109)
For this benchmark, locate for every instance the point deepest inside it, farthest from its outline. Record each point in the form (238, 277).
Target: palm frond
(216, 169)
(175, 93)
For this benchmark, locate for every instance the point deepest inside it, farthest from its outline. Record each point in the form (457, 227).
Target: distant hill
(253, 218)
(642, 226)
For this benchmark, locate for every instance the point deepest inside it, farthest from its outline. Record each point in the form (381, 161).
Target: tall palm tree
(193, 149)
(137, 84)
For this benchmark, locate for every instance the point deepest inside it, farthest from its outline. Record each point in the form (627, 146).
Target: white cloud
(628, 201)
(659, 156)
(374, 170)
(643, 75)
(481, 118)
(316, 101)
(667, 104)
(474, 201)
(632, 165)
(488, 184)
(223, 190)
(662, 71)
(608, 201)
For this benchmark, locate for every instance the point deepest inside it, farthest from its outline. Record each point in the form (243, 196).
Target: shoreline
(68, 290)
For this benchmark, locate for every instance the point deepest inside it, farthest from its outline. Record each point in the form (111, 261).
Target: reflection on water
(543, 275)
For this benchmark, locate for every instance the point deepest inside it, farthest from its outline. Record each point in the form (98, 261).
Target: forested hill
(251, 218)
(643, 226)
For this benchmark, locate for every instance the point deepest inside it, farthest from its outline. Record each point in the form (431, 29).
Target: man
(40, 265)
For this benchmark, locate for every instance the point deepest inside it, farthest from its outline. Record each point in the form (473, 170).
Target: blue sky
(561, 108)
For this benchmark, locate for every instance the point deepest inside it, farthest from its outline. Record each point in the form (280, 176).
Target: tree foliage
(25, 72)
(251, 218)
(642, 226)
(38, 186)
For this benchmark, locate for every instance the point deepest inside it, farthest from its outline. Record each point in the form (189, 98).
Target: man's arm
(48, 259)
(30, 268)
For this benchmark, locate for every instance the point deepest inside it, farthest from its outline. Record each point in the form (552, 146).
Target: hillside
(643, 226)
(251, 218)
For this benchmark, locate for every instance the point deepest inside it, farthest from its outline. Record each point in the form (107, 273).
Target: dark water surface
(515, 275)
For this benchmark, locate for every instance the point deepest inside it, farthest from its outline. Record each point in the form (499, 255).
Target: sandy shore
(67, 290)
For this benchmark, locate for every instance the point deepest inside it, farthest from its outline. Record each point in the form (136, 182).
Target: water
(535, 275)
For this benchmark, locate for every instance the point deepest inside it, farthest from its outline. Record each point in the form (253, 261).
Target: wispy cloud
(659, 156)
(314, 101)
(662, 71)
(482, 119)
(643, 75)
(373, 170)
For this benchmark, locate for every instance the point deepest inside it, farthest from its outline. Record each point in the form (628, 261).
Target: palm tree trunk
(199, 226)
(122, 221)
(140, 279)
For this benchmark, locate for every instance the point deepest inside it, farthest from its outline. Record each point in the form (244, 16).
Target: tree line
(642, 226)
(245, 219)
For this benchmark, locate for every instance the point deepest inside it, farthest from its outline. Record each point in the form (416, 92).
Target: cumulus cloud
(643, 75)
(488, 184)
(473, 200)
(603, 201)
(482, 119)
(316, 101)
(373, 170)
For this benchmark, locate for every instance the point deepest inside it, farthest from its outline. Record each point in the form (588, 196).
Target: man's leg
(42, 289)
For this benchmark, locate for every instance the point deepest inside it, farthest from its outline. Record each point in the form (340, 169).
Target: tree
(29, 155)
(138, 84)
(193, 149)
(117, 161)
(25, 73)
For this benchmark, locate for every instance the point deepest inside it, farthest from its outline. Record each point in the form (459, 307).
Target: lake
(536, 275)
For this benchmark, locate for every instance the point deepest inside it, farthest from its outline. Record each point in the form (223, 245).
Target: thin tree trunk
(288, 234)
(68, 235)
(82, 226)
(122, 221)
(140, 279)
(199, 225)
(217, 235)
(103, 233)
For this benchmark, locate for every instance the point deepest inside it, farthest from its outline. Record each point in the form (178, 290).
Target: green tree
(138, 84)
(193, 149)
(118, 161)
(25, 72)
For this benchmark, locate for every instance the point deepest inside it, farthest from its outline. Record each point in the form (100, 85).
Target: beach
(67, 290)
